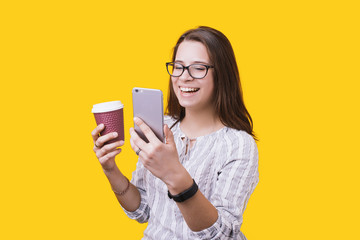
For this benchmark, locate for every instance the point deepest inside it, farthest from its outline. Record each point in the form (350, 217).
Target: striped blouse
(224, 164)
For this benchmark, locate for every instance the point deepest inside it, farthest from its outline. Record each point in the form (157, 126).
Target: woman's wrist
(185, 195)
(111, 170)
(179, 182)
(119, 183)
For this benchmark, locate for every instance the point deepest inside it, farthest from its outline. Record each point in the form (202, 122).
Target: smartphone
(148, 105)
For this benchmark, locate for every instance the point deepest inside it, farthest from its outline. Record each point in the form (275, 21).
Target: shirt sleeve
(236, 181)
(138, 179)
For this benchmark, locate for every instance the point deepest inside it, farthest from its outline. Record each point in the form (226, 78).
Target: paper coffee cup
(112, 116)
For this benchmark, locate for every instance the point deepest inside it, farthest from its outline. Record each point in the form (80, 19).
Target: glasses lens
(197, 71)
(175, 69)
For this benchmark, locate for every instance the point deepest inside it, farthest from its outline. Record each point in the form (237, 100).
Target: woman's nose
(185, 76)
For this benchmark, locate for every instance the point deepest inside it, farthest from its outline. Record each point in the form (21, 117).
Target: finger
(137, 141)
(132, 144)
(146, 130)
(140, 153)
(109, 155)
(103, 139)
(95, 133)
(108, 148)
(111, 146)
(169, 136)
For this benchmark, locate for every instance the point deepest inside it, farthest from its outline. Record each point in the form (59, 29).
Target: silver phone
(148, 105)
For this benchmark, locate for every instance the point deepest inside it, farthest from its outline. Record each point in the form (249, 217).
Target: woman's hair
(227, 97)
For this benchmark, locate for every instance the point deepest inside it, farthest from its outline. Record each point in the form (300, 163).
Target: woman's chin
(190, 105)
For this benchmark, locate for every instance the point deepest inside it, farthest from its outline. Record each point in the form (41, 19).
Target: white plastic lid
(107, 107)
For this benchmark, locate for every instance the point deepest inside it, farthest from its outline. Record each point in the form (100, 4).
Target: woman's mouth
(188, 90)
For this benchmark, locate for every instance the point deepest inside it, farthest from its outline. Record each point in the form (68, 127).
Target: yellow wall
(299, 66)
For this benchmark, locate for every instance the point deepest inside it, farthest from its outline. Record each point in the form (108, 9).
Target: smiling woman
(212, 47)
(194, 94)
(197, 184)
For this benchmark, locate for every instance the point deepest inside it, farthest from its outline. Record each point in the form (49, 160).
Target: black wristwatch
(185, 195)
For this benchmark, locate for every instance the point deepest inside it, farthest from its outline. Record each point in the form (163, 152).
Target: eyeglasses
(196, 71)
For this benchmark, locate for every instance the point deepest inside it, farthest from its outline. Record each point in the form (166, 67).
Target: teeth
(188, 89)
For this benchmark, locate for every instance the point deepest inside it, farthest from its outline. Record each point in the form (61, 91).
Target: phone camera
(136, 90)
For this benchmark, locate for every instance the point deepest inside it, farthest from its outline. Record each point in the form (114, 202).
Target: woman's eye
(200, 68)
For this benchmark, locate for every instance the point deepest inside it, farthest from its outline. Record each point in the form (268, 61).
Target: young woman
(197, 184)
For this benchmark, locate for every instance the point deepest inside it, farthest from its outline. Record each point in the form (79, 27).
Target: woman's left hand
(161, 159)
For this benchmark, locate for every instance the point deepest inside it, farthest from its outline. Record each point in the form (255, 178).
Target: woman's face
(193, 93)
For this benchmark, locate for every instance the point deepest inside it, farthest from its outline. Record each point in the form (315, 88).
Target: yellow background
(299, 66)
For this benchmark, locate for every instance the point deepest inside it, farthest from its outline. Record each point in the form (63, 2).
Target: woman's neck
(199, 123)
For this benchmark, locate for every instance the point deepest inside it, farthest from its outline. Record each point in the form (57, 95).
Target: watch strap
(185, 195)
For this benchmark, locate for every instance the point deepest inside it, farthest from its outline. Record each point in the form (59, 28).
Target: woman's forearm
(197, 211)
(130, 200)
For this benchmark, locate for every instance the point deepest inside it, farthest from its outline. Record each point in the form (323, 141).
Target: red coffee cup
(112, 116)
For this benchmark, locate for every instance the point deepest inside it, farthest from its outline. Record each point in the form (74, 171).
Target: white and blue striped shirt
(224, 164)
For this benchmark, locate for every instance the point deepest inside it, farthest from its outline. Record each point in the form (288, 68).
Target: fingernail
(115, 134)
(101, 125)
(136, 120)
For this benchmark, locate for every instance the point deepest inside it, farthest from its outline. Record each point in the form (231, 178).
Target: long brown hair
(228, 98)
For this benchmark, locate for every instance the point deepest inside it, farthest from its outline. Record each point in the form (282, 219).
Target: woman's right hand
(106, 153)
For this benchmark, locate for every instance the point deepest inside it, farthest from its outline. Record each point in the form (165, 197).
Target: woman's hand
(106, 153)
(161, 159)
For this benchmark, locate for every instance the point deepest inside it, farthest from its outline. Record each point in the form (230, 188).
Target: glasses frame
(187, 68)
